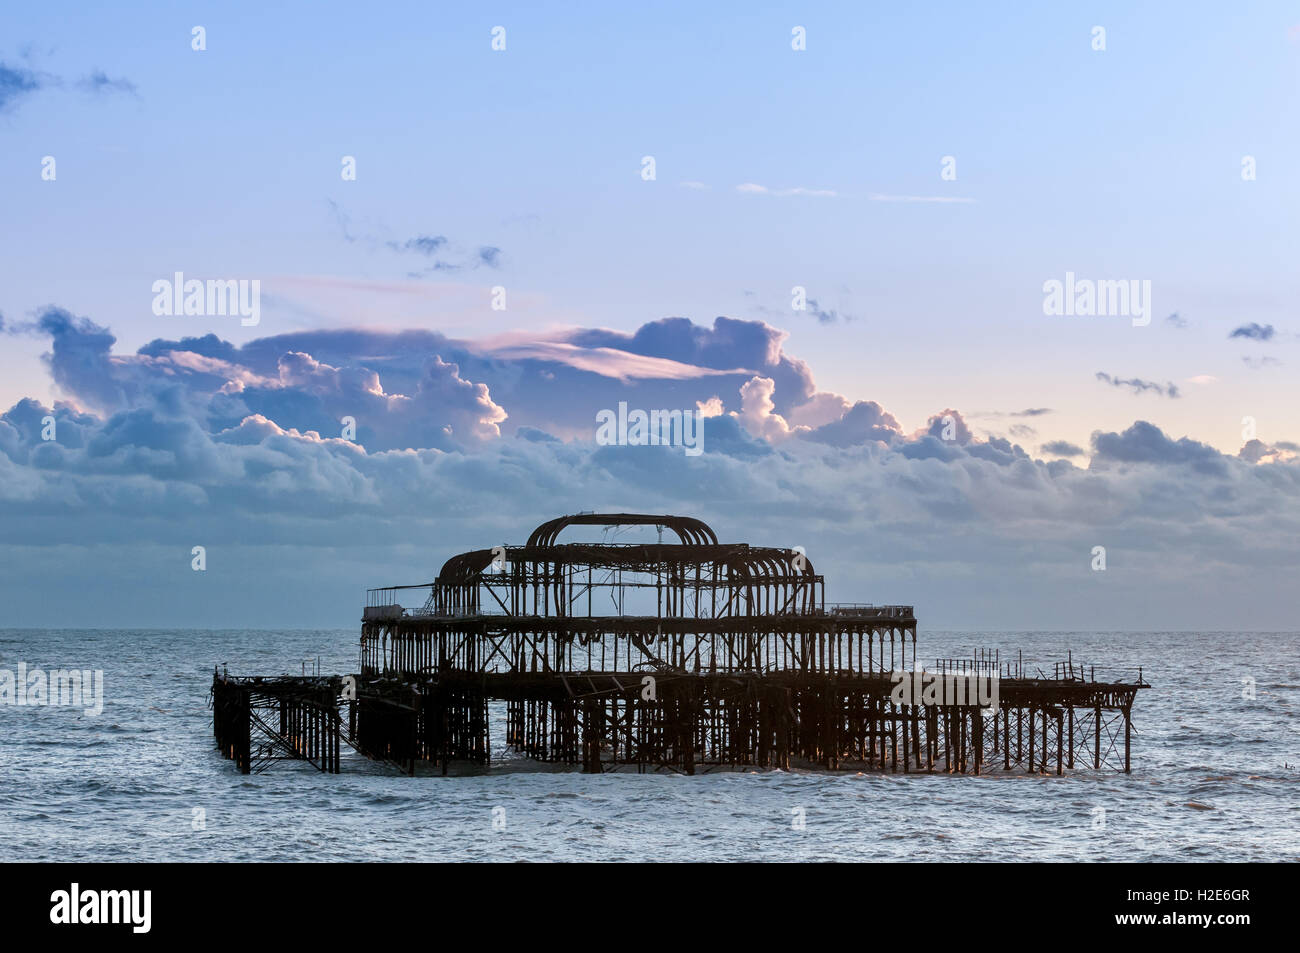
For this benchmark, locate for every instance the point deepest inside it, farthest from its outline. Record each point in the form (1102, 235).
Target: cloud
(556, 382)
(343, 220)
(1062, 448)
(1027, 412)
(826, 315)
(16, 84)
(426, 245)
(729, 345)
(864, 421)
(219, 385)
(80, 360)
(605, 361)
(1139, 386)
(942, 199)
(443, 410)
(1144, 442)
(948, 425)
(1253, 332)
(437, 249)
(534, 435)
(753, 188)
(820, 408)
(237, 448)
(758, 411)
(101, 83)
(1256, 451)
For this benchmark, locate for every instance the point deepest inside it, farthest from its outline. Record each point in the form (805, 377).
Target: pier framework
(685, 655)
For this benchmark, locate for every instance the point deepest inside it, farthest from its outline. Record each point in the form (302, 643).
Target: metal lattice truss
(695, 605)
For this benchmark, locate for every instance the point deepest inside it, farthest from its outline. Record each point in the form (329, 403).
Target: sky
(629, 205)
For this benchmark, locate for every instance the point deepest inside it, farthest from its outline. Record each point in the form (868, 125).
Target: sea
(1216, 772)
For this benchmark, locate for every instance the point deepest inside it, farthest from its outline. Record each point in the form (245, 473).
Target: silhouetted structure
(681, 655)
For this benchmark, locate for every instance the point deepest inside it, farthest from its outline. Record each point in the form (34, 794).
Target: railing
(989, 662)
(391, 610)
(1061, 671)
(1069, 672)
(985, 662)
(869, 610)
(388, 596)
(396, 602)
(965, 666)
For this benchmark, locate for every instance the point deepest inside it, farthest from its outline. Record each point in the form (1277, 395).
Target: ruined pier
(683, 655)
